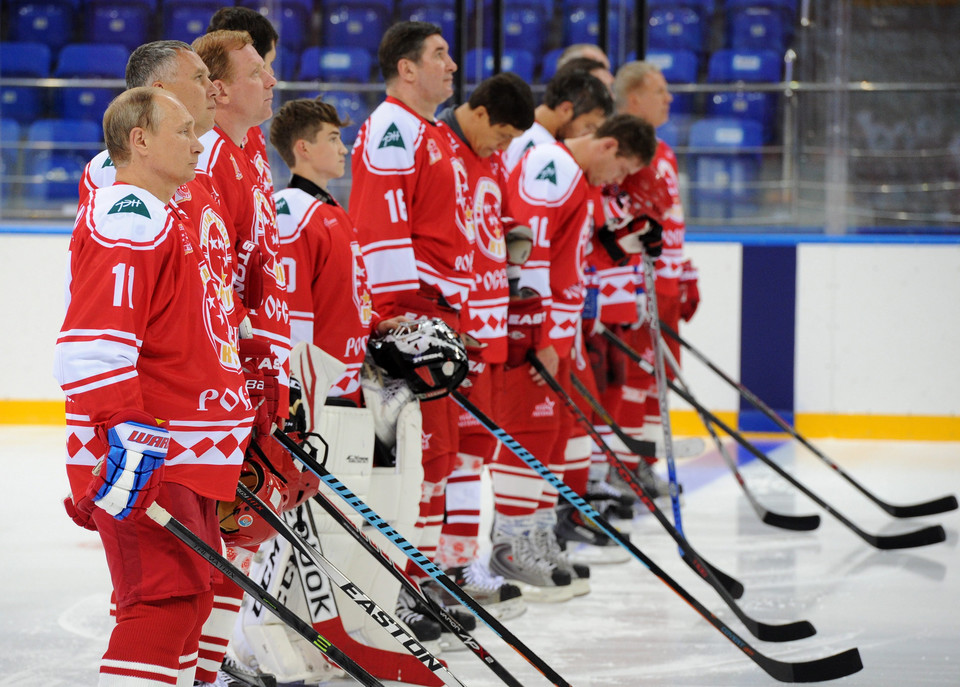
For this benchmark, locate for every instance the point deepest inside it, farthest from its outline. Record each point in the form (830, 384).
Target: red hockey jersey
(145, 329)
(330, 302)
(407, 202)
(549, 193)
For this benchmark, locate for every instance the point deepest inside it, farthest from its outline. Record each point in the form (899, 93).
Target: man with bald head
(139, 295)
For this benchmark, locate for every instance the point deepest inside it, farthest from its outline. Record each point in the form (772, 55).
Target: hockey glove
(126, 481)
(689, 292)
(653, 240)
(80, 512)
(263, 383)
(645, 194)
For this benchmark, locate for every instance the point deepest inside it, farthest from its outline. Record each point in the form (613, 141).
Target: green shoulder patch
(107, 163)
(282, 207)
(530, 144)
(130, 204)
(548, 173)
(392, 138)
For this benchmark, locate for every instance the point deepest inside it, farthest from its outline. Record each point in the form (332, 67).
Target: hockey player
(640, 89)
(555, 191)
(574, 104)
(244, 100)
(408, 203)
(499, 110)
(265, 38)
(147, 423)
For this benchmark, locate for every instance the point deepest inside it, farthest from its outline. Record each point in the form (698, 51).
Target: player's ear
(565, 109)
(138, 139)
(222, 95)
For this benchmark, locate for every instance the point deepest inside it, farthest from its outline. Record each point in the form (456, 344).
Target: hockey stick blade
(932, 507)
(417, 556)
(159, 515)
(386, 620)
(826, 668)
(922, 537)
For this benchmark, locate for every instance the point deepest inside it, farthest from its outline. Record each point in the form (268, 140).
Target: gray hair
(153, 62)
(629, 78)
(134, 108)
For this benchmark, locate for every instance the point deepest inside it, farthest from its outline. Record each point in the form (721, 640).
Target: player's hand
(263, 383)
(647, 193)
(126, 481)
(80, 512)
(653, 240)
(550, 360)
(689, 291)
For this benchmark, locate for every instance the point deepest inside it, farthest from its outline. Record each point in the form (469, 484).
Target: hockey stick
(818, 670)
(932, 507)
(727, 587)
(732, 585)
(922, 537)
(159, 515)
(418, 557)
(439, 611)
(653, 316)
(390, 624)
(787, 522)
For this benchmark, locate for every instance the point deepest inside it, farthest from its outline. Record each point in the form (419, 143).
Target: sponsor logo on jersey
(182, 194)
(282, 207)
(236, 167)
(544, 408)
(130, 204)
(425, 441)
(433, 150)
(530, 144)
(107, 163)
(486, 219)
(392, 138)
(548, 173)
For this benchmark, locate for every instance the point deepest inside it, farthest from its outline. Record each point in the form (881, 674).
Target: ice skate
(515, 558)
(549, 549)
(583, 541)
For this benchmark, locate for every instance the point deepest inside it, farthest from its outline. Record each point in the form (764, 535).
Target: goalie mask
(428, 355)
(239, 523)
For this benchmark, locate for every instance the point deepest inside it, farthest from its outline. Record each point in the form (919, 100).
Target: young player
(144, 417)
(555, 190)
(574, 104)
(640, 89)
(408, 203)
(499, 110)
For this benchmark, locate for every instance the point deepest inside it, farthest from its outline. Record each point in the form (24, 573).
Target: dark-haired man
(556, 192)
(575, 103)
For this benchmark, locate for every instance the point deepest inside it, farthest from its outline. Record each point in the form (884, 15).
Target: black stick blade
(941, 505)
(822, 669)
(797, 523)
(733, 586)
(933, 534)
(800, 629)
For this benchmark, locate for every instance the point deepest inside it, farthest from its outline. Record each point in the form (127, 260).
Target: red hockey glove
(80, 512)
(525, 318)
(652, 240)
(249, 281)
(126, 481)
(646, 193)
(689, 292)
(263, 384)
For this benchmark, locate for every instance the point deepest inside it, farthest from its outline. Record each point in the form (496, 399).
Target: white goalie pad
(316, 370)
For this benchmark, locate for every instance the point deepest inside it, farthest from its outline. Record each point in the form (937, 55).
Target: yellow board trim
(683, 422)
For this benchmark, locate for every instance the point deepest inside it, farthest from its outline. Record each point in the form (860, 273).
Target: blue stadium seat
(724, 176)
(678, 66)
(336, 64)
(704, 8)
(440, 12)
(123, 22)
(676, 28)
(349, 106)
(355, 23)
(291, 18)
(9, 155)
(757, 28)
(525, 26)
(581, 24)
(45, 21)
(57, 170)
(519, 62)
(186, 20)
(549, 65)
(286, 64)
(735, 66)
(23, 60)
(89, 61)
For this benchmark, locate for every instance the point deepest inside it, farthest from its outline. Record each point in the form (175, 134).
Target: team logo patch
(392, 138)
(548, 173)
(130, 204)
(107, 163)
(236, 168)
(282, 207)
(182, 194)
(245, 520)
(434, 151)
